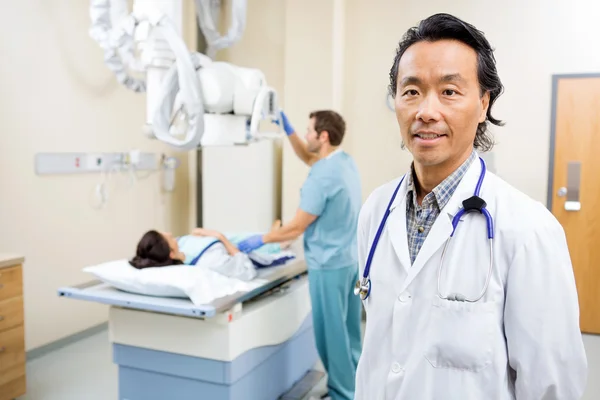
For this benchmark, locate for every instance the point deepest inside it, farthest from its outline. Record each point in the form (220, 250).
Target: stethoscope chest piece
(363, 288)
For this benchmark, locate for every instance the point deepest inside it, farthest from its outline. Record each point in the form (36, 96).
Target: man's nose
(429, 109)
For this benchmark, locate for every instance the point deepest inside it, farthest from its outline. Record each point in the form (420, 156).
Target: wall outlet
(72, 163)
(95, 162)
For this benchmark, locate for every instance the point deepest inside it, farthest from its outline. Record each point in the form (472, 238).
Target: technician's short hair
(332, 122)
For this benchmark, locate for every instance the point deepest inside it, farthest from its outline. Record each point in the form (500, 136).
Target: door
(574, 187)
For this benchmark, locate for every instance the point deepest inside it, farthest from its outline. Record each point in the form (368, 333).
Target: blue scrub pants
(336, 315)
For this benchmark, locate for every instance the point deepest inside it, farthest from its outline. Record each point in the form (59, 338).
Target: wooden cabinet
(12, 328)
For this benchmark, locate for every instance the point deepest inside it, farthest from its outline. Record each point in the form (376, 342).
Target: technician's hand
(250, 244)
(287, 127)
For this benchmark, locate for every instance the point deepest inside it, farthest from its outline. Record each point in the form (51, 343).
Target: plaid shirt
(420, 218)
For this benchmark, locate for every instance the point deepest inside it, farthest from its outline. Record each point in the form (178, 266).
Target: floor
(84, 371)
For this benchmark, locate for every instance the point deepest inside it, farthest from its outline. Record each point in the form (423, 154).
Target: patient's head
(157, 249)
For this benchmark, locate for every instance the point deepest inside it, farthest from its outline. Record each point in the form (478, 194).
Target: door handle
(572, 202)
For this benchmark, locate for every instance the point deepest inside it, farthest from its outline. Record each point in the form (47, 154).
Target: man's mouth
(428, 135)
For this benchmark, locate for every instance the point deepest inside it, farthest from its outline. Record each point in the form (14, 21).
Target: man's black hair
(448, 27)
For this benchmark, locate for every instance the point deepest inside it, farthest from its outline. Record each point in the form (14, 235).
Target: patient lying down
(203, 248)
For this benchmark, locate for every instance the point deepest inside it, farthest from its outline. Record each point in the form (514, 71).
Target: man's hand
(250, 244)
(299, 146)
(287, 127)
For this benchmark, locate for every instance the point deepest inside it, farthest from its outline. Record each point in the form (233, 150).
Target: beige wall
(532, 41)
(316, 53)
(57, 96)
(301, 52)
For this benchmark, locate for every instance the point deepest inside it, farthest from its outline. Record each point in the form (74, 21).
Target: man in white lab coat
(516, 337)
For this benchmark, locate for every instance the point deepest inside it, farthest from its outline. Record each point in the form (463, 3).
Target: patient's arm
(230, 247)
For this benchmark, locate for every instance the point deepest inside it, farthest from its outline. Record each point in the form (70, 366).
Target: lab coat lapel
(442, 227)
(396, 228)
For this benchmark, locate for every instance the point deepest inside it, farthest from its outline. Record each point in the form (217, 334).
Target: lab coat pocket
(460, 335)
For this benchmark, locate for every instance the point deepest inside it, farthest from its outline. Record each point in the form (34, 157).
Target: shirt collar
(336, 151)
(441, 194)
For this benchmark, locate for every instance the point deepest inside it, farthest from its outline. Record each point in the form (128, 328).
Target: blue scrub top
(332, 192)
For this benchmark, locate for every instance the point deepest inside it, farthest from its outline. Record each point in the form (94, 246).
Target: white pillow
(200, 285)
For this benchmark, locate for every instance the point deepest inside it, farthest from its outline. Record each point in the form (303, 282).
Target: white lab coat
(520, 341)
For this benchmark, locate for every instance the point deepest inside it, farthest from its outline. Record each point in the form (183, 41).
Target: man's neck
(326, 151)
(428, 177)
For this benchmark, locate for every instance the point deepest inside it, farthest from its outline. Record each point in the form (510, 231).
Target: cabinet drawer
(12, 354)
(11, 313)
(11, 282)
(13, 389)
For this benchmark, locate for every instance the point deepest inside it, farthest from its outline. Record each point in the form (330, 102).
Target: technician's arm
(300, 147)
(541, 319)
(291, 230)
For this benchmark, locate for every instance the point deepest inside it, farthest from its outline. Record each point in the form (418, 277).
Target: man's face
(313, 139)
(438, 103)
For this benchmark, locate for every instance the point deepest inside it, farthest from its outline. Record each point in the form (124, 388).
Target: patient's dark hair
(153, 251)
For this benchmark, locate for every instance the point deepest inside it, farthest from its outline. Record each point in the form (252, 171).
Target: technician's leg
(329, 297)
(353, 321)
(316, 298)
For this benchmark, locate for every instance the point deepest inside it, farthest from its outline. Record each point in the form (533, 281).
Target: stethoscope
(474, 203)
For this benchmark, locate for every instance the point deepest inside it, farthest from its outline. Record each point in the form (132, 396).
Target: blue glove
(287, 127)
(250, 244)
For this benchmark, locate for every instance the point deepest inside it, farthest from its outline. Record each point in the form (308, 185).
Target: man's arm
(541, 318)
(312, 204)
(290, 231)
(300, 147)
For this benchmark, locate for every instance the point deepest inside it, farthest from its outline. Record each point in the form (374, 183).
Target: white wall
(57, 96)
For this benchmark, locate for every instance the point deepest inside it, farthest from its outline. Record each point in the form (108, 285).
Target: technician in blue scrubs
(330, 202)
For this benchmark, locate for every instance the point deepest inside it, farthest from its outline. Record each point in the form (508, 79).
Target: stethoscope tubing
(363, 286)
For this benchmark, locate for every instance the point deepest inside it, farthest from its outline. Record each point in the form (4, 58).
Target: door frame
(555, 79)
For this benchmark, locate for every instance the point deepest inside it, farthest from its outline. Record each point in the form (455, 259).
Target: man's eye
(449, 92)
(411, 92)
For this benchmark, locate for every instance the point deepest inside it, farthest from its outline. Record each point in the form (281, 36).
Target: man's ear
(485, 103)
(324, 135)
